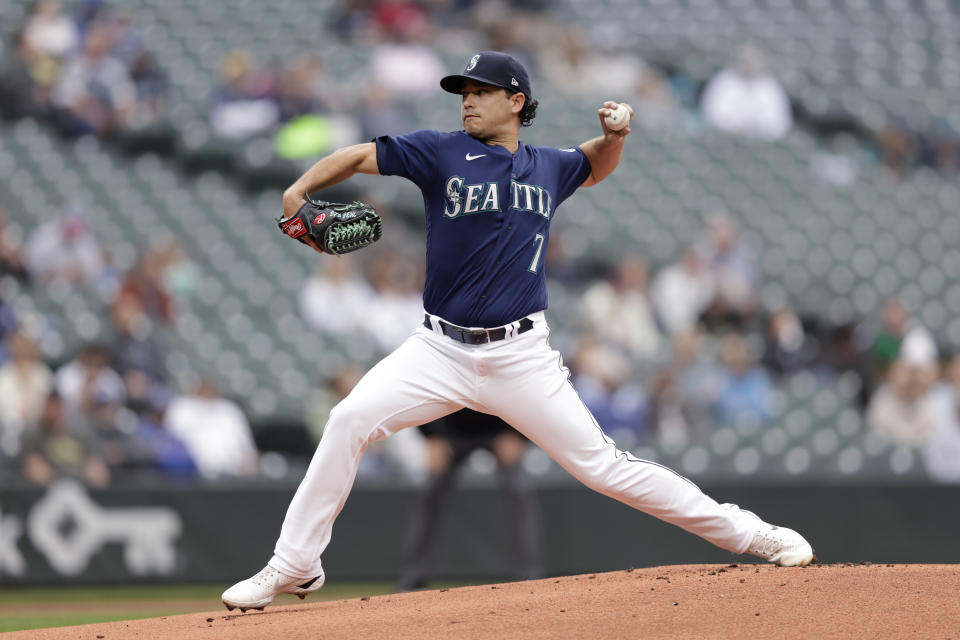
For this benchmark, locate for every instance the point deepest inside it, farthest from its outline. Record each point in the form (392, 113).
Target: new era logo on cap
(492, 67)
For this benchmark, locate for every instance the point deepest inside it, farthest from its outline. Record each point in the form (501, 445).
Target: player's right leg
(419, 382)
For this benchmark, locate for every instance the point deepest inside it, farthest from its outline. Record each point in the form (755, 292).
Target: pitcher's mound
(689, 601)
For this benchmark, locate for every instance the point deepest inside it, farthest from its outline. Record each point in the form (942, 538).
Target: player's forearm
(331, 170)
(604, 153)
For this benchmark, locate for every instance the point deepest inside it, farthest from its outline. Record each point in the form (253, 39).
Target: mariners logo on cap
(473, 62)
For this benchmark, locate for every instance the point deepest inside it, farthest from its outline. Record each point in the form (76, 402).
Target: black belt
(476, 336)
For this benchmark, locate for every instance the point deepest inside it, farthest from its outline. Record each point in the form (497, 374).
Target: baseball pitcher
(484, 342)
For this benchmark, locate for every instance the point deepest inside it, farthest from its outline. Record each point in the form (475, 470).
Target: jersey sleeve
(573, 169)
(412, 156)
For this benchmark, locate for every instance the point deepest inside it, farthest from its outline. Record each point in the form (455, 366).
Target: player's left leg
(529, 388)
(421, 381)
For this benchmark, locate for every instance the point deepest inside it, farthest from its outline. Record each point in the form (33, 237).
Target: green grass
(46, 621)
(37, 608)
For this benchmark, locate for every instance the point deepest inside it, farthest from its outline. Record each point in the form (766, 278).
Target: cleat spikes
(258, 592)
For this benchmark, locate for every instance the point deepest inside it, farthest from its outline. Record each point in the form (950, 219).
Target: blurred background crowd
(769, 290)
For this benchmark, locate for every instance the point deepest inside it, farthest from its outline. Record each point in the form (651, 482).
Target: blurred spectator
(91, 13)
(149, 80)
(25, 383)
(941, 452)
(353, 21)
(168, 453)
(115, 431)
(568, 65)
(48, 31)
(573, 67)
(126, 43)
(95, 92)
(904, 410)
(681, 292)
(397, 303)
(513, 32)
(898, 147)
(65, 248)
(138, 387)
(382, 115)
(335, 299)
(301, 89)
(393, 17)
(902, 148)
(134, 344)
(683, 390)
(8, 323)
(943, 150)
(845, 352)
(602, 378)
(88, 378)
(745, 99)
(178, 277)
(26, 80)
(145, 288)
(405, 64)
(699, 377)
(734, 269)
(243, 106)
(655, 107)
(58, 447)
(152, 86)
(617, 309)
(215, 432)
(885, 348)
(307, 102)
(788, 346)
(745, 393)
(11, 254)
(108, 282)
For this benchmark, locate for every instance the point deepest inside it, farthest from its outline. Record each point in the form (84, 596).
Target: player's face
(486, 110)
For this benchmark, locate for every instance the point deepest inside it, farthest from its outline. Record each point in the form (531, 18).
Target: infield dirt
(688, 601)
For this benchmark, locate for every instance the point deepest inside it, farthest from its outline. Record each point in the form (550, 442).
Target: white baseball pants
(522, 380)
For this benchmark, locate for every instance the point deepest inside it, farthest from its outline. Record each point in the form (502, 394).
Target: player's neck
(511, 142)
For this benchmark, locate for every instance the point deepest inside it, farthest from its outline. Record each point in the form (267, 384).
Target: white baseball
(619, 118)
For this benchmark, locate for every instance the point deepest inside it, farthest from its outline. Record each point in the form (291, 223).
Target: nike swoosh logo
(470, 157)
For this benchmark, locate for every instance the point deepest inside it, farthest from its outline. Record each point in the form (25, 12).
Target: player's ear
(517, 101)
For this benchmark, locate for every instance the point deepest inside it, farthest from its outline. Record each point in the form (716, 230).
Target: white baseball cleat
(259, 591)
(781, 546)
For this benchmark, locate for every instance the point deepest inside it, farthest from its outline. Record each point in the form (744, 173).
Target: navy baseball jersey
(488, 220)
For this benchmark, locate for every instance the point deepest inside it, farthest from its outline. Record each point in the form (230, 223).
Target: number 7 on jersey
(538, 242)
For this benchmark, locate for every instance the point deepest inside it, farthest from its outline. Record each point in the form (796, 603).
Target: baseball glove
(337, 228)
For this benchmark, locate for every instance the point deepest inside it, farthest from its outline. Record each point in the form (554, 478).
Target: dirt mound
(690, 601)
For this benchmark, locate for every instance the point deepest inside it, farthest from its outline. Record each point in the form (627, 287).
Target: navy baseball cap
(492, 67)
